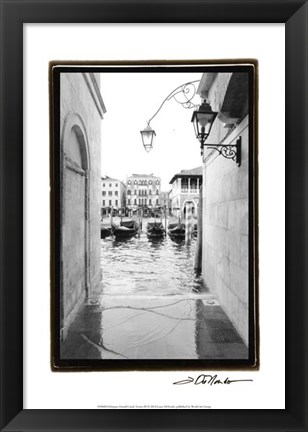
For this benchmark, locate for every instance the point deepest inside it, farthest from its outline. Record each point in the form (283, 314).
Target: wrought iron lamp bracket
(229, 151)
(187, 90)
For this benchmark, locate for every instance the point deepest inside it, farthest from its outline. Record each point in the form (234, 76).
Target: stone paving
(151, 327)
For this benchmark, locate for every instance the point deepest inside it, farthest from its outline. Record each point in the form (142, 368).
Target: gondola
(176, 230)
(125, 229)
(155, 230)
(105, 231)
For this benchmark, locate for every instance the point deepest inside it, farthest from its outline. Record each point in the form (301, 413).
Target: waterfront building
(185, 188)
(81, 112)
(143, 191)
(225, 242)
(113, 195)
(165, 202)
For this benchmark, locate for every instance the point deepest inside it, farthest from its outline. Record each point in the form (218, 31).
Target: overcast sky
(131, 99)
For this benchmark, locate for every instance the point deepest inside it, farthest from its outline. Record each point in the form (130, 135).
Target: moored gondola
(176, 230)
(125, 229)
(105, 231)
(155, 230)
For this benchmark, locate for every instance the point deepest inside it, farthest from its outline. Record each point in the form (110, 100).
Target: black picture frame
(14, 14)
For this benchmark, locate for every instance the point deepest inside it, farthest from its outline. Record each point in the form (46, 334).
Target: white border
(42, 43)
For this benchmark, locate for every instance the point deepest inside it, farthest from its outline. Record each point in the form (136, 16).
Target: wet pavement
(151, 305)
(173, 327)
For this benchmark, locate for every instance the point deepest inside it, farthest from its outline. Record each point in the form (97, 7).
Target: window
(104, 193)
(109, 193)
(139, 201)
(103, 184)
(135, 182)
(156, 191)
(103, 203)
(150, 201)
(116, 193)
(110, 185)
(110, 203)
(116, 202)
(157, 182)
(135, 191)
(135, 201)
(140, 182)
(116, 185)
(157, 202)
(150, 182)
(150, 192)
(128, 182)
(129, 192)
(128, 201)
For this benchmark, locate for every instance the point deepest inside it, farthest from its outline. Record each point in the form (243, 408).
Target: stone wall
(81, 111)
(225, 215)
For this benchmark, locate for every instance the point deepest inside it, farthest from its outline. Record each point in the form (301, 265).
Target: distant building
(143, 191)
(113, 194)
(185, 187)
(165, 202)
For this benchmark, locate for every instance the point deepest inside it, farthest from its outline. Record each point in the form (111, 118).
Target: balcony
(189, 191)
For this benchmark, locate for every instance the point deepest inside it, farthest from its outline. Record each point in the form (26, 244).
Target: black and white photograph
(154, 215)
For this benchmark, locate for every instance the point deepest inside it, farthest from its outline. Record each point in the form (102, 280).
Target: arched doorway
(193, 210)
(75, 216)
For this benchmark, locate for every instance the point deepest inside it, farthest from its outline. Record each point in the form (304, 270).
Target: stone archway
(75, 196)
(194, 209)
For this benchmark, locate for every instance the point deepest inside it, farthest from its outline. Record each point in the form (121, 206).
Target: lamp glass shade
(148, 135)
(203, 120)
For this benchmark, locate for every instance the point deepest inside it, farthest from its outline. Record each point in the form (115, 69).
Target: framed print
(117, 305)
(34, 400)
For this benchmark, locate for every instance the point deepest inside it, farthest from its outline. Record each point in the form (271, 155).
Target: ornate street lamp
(203, 120)
(148, 136)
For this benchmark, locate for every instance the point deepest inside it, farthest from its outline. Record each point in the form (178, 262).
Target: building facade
(143, 191)
(225, 197)
(113, 195)
(81, 112)
(165, 202)
(185, 188)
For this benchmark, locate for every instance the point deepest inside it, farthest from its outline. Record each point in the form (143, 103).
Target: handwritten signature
(209, 379)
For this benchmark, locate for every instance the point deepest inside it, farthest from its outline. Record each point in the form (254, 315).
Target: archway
(75, 247)
(194, 207)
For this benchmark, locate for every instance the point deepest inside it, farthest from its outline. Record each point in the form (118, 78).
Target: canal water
(144, 266)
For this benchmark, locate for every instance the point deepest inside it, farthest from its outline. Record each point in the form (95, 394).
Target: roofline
(176, 176)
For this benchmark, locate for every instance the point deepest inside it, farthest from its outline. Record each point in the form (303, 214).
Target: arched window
(128, 182)
(129, 192)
